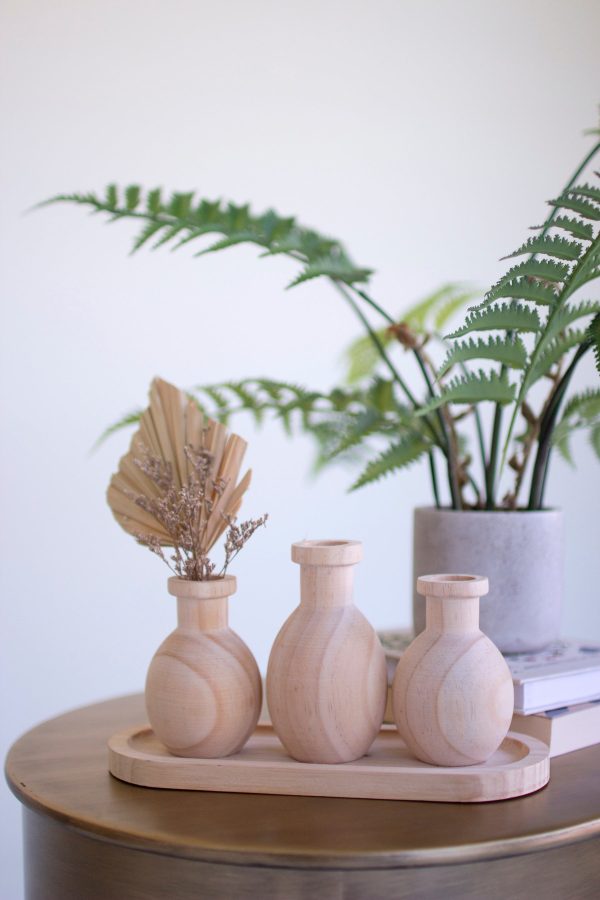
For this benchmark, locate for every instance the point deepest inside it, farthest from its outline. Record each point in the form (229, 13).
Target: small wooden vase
(452, 695)
(326, 679)
(203, 690)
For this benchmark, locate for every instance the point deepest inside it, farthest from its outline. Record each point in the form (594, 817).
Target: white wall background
(426, 134)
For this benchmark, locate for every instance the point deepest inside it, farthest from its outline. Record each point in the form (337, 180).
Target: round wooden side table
(89, 836)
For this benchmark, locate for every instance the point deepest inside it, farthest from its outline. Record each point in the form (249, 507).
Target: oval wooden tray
(389, 772)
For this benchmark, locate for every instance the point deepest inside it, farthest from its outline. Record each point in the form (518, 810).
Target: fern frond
(557, 247)
(339, 268)
(399, 455)
(132, 197)
(474, 387)
(126, 421)
(441, 304)
(585, 190)
(582, 412)
(569, 314)
(362, 356)
(595, 440)
(593, 333)
(581, 230)
(554, 352)
(500, 317)
(181, 219)
(452, 306)
(527, 289)
(508, 351)
(585, 405)
(544, 269)
(584, 208)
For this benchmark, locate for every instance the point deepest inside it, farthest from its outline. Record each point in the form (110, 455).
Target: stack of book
(557, 691)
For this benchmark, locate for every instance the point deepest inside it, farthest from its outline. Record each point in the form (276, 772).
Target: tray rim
(536, 763)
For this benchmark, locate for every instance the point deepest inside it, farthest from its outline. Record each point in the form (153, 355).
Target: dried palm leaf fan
(171, 423)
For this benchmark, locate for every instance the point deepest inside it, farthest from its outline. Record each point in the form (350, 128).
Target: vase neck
(453, 614)
(202, 615)
(326, 587)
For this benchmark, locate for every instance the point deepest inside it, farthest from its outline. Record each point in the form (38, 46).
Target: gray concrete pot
(522, 554)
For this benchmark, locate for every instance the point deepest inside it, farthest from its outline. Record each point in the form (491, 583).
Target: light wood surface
(90, 835)
(326, 678)
(452, 693)
(389, 772)
(203, 690)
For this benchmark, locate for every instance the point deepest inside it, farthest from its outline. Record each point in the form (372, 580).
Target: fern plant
(516, 349)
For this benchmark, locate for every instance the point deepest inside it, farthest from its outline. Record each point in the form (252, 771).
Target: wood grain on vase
(452, 695)
(203, 690)
(326, 678)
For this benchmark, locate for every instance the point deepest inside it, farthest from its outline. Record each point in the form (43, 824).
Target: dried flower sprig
(185, 512)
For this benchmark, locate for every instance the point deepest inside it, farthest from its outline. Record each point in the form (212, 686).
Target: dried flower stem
(184, 514)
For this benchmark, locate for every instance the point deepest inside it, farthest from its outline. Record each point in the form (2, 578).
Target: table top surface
(60, 769)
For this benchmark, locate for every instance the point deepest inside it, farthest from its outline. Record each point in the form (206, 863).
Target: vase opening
(327, 553)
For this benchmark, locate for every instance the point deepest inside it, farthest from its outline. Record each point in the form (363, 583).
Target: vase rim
(327, 552)
(212, 589)
(452, 585)
(446, 510)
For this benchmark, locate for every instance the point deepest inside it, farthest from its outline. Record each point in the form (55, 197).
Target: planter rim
(202, 590)
(445, 510)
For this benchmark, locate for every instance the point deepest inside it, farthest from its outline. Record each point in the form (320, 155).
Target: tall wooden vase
(203, 690)
(452, 695)
(326, 679)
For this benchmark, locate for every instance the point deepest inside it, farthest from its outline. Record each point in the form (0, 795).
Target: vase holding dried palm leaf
(177, 492)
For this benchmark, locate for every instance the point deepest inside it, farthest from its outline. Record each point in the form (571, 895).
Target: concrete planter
(522, 555)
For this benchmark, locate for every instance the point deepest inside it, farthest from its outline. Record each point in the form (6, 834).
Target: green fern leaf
(500, 316)
(474, 387)
(417, 315)
(595, 440)
(362, 356)
(399, 455)
(527, 289)
(180, 205)
(452, 306)
(585, 190)
(585, 406)
(558, 247)
(582, 412)
(508, 351)
(554, 352)
(339, 268)
(131, 418)
(132, 196)
(146, 234)
(546, 269)
(154, 201)
(565, 316)
(593, 334)
(561, 439)
(584, 208)
(582, 230)
(185, 219)
(112, 196)
(240, 238)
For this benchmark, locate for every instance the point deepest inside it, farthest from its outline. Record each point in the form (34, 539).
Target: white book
(564, 674)
(563, 730)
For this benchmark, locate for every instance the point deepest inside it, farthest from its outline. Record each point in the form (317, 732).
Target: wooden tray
(389, 772)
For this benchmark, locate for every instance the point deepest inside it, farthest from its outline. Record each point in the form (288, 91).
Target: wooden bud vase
(452, 695)
(203, 690)
(326, 679)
